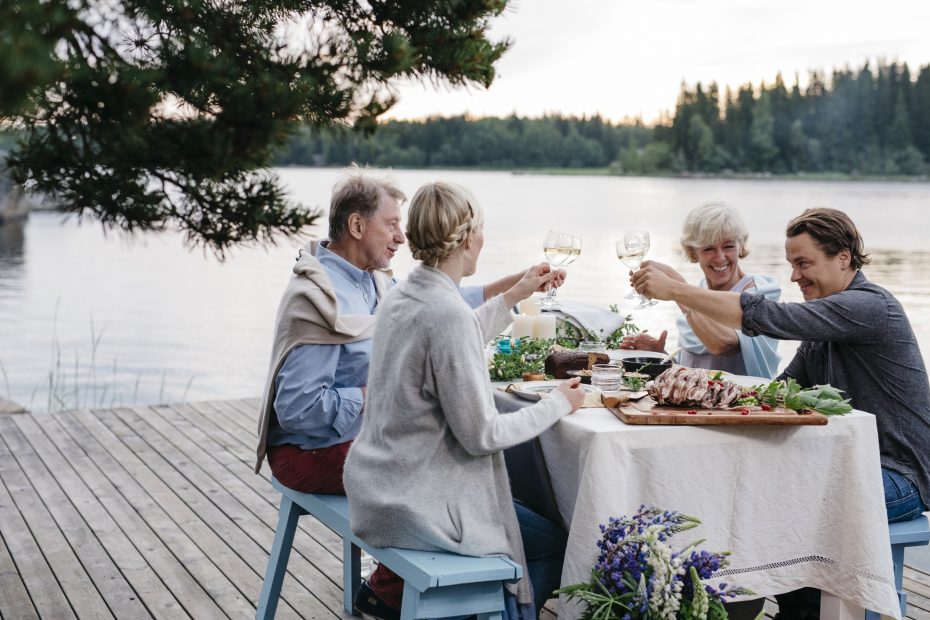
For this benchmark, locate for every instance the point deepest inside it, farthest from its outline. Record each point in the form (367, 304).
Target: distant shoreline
(739, 176)
(606, 172)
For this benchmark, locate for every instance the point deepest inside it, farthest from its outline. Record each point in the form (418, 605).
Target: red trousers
(320, 471)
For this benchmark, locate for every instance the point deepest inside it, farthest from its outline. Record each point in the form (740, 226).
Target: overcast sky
(625, 58)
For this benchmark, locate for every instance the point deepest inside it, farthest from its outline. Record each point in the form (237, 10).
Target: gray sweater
(426, 471)
(860, 341)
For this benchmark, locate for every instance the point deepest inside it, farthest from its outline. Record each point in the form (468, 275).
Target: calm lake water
(95, 319)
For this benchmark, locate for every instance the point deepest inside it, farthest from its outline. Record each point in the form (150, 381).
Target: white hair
(712, 223)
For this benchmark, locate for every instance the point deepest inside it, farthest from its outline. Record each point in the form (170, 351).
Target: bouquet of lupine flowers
(638, 576)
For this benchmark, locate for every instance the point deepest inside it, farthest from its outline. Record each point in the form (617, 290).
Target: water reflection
(12, 242)
(109, 322)
(12, 248)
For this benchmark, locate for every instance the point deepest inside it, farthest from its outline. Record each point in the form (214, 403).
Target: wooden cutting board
(646, 411)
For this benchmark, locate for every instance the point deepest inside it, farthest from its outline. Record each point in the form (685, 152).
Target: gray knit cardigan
(427, 469)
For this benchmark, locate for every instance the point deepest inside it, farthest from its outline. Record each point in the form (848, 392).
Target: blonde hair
(440, 217)
(712, 223)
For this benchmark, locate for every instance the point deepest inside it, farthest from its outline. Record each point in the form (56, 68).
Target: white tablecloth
(797, 506)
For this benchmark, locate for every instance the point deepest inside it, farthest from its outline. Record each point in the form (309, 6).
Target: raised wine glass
(630, 262)
(631, 250)
(560, 249)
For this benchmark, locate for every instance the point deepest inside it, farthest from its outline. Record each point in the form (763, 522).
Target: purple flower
(632, 549)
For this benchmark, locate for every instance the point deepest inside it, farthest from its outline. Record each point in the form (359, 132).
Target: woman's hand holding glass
(560, 249)
(656, 280)
(538, 278)
(631, 250)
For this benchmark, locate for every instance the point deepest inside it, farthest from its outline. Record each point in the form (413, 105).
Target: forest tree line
(874, 121)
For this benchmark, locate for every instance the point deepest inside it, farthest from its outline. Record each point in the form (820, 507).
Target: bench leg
(288, 514)
(410, 603)
(897, 559)
(351, 574)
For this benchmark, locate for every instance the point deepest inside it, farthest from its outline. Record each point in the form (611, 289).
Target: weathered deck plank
(156, 512)
(13, 592)
(173, 592)
(917, 585)
(251, 490)
(202, 548)
(204, 415)
(61, 577)
(229, 516)
(206, 594)
(93, 537)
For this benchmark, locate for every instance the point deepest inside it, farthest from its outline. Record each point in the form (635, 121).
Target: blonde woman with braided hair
(427, 469)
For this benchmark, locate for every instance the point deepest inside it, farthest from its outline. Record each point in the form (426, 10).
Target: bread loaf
(560, 362)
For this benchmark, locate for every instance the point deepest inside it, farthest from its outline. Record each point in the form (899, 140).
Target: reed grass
(80, 385)
(6, 381)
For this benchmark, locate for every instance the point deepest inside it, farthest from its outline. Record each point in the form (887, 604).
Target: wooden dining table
(797, 506)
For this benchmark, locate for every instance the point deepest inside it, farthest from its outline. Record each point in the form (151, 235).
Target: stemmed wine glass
(631, 250)
(632, 261)
(561, 249)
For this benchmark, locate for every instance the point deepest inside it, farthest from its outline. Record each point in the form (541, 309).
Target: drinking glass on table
(561, 249)
(631, 250)
(606, 377)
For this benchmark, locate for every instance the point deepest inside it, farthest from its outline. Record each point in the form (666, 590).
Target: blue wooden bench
(436, 585)
(913, 533)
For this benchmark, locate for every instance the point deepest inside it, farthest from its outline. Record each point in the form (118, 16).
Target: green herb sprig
(824, 399)
(528, 356)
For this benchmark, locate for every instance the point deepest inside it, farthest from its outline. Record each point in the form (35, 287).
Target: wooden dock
(144, 512)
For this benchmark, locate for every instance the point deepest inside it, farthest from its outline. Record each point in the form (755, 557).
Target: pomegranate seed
(691, 411)
(744, 411)
(766, 407)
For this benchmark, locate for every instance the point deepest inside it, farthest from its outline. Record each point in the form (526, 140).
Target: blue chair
(913, 533)
(436, 585)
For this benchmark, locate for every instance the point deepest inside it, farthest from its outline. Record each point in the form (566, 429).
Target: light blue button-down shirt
(318, 399)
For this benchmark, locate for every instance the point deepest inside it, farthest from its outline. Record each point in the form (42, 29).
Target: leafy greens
(824, 399)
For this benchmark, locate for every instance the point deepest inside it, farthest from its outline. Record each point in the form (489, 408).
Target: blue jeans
(544, 547)
(902, 501)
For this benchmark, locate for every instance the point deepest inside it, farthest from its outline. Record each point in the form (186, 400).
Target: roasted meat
(691, 387)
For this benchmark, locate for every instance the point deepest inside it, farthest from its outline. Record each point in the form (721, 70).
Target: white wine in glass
(631, 250)
(633, 256)
(560, 249)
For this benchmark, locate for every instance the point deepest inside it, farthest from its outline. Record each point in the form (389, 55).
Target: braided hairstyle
(440, 217)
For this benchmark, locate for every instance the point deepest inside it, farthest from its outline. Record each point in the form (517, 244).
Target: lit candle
(544, 327)
(529, 307)
(522, 326)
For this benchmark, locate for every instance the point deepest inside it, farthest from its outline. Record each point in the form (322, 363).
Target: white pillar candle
(544, 326)
(529, 307)
(522, 326)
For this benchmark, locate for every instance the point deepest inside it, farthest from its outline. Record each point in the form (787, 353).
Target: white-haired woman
(714, 236)
(427, 469)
